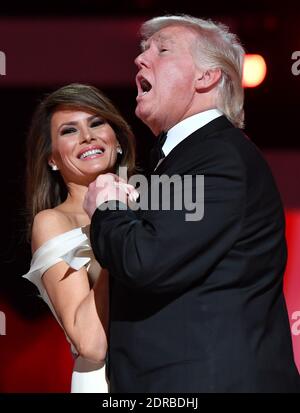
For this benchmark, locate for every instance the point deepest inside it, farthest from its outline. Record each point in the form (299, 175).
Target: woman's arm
(81, 310)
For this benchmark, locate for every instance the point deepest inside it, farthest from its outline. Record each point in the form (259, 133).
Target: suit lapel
(189, 145)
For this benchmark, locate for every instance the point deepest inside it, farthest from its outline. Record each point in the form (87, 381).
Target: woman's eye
(96, 122)
(163, 50)
(67, 131)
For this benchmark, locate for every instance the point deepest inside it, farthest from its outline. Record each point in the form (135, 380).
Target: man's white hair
(215, 48)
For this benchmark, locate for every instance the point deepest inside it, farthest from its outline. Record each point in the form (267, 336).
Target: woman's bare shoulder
(48, 224)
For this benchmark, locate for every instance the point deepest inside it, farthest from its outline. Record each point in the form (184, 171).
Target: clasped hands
(108, 187)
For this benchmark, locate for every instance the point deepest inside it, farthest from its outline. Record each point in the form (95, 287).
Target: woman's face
(83, 145)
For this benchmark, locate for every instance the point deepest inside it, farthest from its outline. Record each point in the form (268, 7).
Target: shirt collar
(187, 126)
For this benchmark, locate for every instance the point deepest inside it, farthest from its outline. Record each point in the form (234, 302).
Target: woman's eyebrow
(74, 122)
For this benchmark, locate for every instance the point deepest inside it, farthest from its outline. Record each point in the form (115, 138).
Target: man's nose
(140, 60)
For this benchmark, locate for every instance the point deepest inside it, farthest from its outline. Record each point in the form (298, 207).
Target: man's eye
(97, 122)
(67, 131)
(163, 50)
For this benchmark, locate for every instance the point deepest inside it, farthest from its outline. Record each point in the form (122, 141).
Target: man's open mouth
(145, 85)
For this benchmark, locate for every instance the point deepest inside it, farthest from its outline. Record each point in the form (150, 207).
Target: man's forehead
(163, 35)
(168, 32)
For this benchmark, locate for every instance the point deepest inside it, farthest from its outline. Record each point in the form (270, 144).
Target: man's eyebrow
(163, 38)
(145, 44)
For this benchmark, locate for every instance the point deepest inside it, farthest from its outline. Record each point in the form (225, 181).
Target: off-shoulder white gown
(74, 248)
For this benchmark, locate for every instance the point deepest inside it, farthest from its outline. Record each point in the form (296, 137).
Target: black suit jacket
(198, 306)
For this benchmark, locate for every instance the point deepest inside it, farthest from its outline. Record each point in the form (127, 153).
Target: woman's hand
(108, 187)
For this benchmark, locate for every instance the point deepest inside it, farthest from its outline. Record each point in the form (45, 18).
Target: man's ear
(208, 79)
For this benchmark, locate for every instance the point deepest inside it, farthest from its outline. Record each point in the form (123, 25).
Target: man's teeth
(91, 152)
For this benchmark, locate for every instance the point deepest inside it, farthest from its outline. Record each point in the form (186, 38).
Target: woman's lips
(87, 158)
(90, 152)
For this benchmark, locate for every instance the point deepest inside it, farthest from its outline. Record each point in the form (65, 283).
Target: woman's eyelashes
(96, 122)
(68, 130)
(93, 124)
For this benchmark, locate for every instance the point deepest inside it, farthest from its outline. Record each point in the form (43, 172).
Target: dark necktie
(157, 153)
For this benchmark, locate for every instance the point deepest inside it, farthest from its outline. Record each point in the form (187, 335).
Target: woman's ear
(52, 165)
(119, 148)
(208, 79)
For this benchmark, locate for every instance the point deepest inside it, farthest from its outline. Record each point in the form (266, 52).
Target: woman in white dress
(76, 134)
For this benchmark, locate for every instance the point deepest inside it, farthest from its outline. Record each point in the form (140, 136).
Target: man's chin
(143, 115)
(139, 112)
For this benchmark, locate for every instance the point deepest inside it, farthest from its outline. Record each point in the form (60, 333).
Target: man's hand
(108, 187)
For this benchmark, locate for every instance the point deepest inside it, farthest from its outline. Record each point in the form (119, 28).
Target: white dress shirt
(187, 126)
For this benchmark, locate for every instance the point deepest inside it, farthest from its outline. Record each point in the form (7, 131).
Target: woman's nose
(86, 135)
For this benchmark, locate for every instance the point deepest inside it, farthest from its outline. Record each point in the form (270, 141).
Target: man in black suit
(196, 305)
